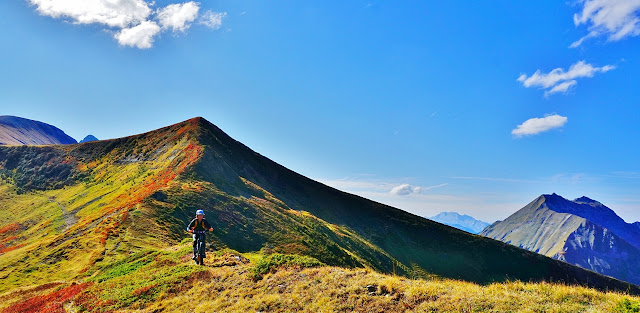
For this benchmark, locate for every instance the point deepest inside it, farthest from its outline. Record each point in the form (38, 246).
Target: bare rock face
(21, 131)
(582, 232)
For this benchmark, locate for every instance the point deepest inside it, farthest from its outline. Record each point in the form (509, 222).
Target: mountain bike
(199, 246)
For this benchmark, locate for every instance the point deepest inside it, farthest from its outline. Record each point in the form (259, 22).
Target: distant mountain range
(462, 222)
(88, 138)
(583, 232)
(21, 131)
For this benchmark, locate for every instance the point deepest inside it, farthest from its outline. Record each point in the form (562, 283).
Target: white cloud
(561, 87)
(178, 16)
(558, 80)
(404, 189)
(212, 19)
(122, 13)
(538, 125)
(616, 19)
(140, 36)
(132, 22)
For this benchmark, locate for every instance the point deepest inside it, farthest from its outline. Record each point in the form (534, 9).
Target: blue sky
(476, 107)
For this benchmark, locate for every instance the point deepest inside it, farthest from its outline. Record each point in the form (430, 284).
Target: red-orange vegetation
(10, 238)
(49, 303)
(11, 248)
(190, 154)
(9, 228)
(110, 229)
(143, 290)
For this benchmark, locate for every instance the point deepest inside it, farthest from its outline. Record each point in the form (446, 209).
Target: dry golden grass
(228, 284)
(333, 289)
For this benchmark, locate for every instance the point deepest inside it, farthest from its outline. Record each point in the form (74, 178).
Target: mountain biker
(198, 227)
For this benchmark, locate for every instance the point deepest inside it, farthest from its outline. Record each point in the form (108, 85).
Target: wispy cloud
(625, 174)
(373, 185)
(616, 19)
(133, 23)
(559, 80)
(406, 189)
(493, 179)
(561, 87)
(212, 19)
(538, 125)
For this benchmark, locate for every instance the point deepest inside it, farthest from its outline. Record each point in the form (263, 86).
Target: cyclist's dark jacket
(195, 225)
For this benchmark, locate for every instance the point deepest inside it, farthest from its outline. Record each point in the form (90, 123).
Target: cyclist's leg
(195, 247)
(201, 246)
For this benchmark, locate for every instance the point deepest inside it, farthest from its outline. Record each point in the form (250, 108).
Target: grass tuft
(274, 261)
(627, 306)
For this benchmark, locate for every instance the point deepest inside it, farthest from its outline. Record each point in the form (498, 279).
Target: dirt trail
(70, 218)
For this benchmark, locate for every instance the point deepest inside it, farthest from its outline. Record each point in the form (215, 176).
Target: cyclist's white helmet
(200, 212)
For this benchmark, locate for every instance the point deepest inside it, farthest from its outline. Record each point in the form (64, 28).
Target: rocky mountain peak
(587, 200)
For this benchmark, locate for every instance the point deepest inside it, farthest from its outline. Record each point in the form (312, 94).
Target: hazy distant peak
(463, 222)
(89, 138)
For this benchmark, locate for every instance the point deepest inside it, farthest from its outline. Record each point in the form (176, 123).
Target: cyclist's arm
(207, 225)
(190, 227)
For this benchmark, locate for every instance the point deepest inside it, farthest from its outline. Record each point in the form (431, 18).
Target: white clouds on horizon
(377, 186)
(133, 22)
(616, 19)
(535, 126)
(481, 206)
(559, 81)
(406, 189)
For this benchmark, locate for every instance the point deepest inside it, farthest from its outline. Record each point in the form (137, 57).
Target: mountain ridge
(87, 214)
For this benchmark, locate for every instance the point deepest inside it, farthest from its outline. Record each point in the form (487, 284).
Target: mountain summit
(583, 232)
(88, 138)
(91, 204)
(21, 131)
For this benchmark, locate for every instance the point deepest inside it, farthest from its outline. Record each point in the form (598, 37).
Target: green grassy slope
(69, 212)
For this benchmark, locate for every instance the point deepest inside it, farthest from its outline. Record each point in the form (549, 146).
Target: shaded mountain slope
(21, 131)
(129, 194)
(582, 232)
